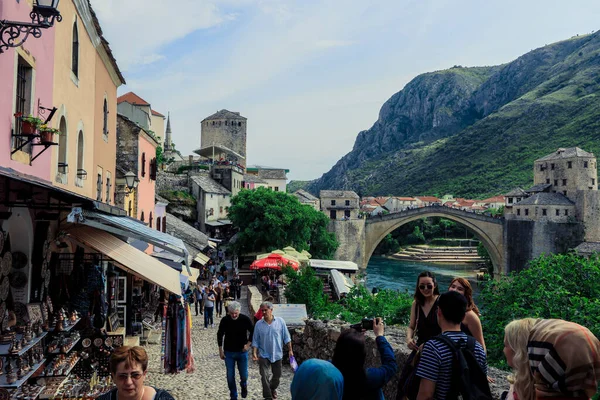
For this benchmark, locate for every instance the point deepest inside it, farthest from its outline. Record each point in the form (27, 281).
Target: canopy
(201, 259)
(275, 261)
(289, 248)
(306, 253)
(346, 266)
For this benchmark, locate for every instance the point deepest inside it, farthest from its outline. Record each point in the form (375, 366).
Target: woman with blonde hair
(471, 325)
(516, 336)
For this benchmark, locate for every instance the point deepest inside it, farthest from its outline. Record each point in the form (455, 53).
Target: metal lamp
(43, 15)
(131, 181)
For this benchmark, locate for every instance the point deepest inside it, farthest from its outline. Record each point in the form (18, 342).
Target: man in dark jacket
(237, 330)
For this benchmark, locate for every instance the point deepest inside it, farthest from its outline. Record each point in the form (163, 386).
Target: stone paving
(209, 380)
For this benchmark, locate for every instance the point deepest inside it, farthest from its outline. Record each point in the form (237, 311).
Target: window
(153, 167)
(158, 220)
(142, 218)
(544, 212)
(510, 200)
(569, 164)
(75, 51)
(24, 86)
(347, 213)
(585, 164)
(527, 211)
(105, 116)
(99, 187)
(547, 180)
(80, 171)
(239, 124)
(220, 210)
(518, 211)
(557, 212)
(333, 202)
(593, 181)
(130, 208)
(556, 182)
(108, 186)
(564, 182)
(277, 188)
(552, 166)
(164, 224)
(565, 192)
(541, 167)
(62, 165)
(150, 219)
(347, 202)
(332, 214)
(566, 212)
(213, 122)
(143, 164)
(226, 122)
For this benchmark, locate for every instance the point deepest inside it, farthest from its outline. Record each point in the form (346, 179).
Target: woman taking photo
(128, 369)
(471, 325)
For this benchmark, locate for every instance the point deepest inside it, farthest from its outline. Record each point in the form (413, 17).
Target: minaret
(168, 134)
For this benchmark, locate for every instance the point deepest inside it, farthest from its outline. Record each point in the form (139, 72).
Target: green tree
(304, 287)
(268, 220)
(388, 245)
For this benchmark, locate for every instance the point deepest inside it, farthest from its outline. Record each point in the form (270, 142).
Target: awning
(213, 151)
(194, 276)
(332, 264)
(129, 227)
(201, 259)
(212, 244)
(214, 223)
(341, 284)
(128, 257)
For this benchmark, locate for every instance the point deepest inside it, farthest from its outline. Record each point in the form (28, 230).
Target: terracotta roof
(381, 200)
(406, 198)
(495, 199)
(566, 153)
(225, 114)
(132, 98)
(156, 113)
(430, 199)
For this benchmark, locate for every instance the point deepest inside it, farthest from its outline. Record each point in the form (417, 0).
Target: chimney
(191, 159)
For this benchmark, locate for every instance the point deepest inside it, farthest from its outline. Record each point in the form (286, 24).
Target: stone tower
(225, 128)
(167, 145)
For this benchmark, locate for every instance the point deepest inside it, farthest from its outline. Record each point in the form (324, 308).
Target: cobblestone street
(209, 380)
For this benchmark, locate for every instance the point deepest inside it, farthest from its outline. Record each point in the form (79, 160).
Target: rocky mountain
(475, 132)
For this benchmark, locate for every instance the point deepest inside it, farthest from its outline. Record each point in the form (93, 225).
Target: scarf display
(177, 337)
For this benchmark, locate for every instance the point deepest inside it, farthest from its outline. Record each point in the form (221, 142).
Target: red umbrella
(274, 261)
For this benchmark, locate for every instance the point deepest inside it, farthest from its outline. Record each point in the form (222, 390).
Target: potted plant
(29, 124)
(46, 133)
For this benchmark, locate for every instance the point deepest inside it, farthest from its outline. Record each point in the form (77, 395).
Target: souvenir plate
(21, 312)
(47, 279)
(108, 341)
(118, 341)
(87, 342)
(6, 263)
(4, 394)
(98, 342)
(18, 279)
(19, 260)
(4, 286)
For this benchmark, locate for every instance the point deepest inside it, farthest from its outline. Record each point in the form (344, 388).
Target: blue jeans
(208, 316)
(241, 357)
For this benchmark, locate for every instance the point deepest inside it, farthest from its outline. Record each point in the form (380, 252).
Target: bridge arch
(487, 229)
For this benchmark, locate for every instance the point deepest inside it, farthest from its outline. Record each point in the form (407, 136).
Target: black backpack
(469, 382)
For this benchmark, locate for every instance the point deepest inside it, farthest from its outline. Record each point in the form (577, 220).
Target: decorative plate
(108, 341)
(6, 263)
(118, 341)
(98, 342)
(21, 312)
(47, 279)
(18, 279)
(1, 241)
(87, 342)
(4, 287)
(19, 260)
(44, 267)
(4, 394)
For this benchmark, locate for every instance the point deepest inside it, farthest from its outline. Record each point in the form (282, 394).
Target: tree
(304, 287)
(269, 220)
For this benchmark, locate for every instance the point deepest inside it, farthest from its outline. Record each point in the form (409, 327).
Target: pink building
(26, 85)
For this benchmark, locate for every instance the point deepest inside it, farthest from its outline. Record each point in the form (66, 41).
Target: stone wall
(166, 181)
(317, 340)
(588, 211)
(351, 237)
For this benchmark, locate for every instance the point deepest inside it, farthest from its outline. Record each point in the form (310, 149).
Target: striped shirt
(436, 362)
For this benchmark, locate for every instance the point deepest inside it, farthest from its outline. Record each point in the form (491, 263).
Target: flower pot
(46, 136)
(28, 128)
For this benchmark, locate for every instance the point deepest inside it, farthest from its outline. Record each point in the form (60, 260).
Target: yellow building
(86, 78)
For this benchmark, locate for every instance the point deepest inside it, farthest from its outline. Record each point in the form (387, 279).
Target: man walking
(270, 334)
(237, 330)
(435, 367)
(209, 305)
(236, 286)
(198, 289)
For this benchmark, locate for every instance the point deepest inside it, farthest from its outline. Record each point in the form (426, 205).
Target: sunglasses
(428, 286)
(134, 376)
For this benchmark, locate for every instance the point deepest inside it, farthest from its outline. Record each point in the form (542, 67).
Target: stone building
(513, 197)
(553, 207)
(213, 201)
(340, 204)
(275, 178)
(306, 198)
(225, 128)
(567, 170)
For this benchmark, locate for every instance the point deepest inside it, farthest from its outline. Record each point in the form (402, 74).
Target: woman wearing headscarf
(317, 380)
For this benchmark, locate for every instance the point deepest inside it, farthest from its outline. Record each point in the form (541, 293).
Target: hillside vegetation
(475, 132)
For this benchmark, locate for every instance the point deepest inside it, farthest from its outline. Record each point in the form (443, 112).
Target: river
(389, 273)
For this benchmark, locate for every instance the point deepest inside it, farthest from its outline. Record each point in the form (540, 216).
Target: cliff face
(447, 127)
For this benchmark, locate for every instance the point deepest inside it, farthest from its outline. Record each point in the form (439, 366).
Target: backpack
(469, 382)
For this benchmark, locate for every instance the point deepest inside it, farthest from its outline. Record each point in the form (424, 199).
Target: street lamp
(42, 16)
(131, 181)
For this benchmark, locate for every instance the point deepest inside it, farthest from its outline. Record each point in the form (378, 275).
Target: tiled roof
(430, 199)
(587, 248)
(546, 199)
(338, 193)
(186, 232)
(208, 185)
(569, 152)
(132, 98)
(495, 199)
(160, 199)
(381, 200)
(303, 194)
(272, 174)
(516, 192)
(249, 178)
(156, 113)
(541, 187)
(225, 114)
(406, 198)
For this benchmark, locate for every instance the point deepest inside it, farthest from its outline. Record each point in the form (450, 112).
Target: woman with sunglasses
(471, 324)
(423, 326)
(128, 369)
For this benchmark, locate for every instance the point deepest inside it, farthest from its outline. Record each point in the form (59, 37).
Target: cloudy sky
(310, 74)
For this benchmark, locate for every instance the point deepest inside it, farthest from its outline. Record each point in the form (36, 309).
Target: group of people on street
(210, 299)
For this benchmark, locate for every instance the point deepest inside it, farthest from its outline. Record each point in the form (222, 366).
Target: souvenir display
(87, 342)
(18, 279)
(6, 264)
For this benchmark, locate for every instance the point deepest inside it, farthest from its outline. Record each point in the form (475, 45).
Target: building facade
(225, 128)
(340, 204)
(567, 170)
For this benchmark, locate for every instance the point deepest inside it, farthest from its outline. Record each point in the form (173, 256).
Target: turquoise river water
(389, 273)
